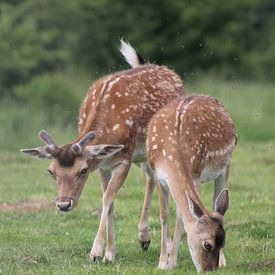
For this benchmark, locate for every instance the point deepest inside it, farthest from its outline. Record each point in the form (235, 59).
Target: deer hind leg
(164, 219)
(143, 227)
(172, 261)
(219, 185)
(118, 176)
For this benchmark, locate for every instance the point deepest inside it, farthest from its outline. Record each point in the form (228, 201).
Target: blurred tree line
(45, 44)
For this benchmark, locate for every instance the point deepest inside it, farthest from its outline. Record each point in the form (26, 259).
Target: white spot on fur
(116, 126)
(129, 122)
(154, 147)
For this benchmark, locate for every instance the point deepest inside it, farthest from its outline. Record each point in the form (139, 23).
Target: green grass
(49, 242)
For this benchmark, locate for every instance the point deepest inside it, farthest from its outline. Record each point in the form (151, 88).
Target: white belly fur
(209, 173)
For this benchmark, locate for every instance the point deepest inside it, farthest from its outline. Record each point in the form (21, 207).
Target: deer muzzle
(64, 204)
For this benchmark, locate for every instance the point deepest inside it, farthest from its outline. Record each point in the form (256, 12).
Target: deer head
(206, 236)
(71, 164)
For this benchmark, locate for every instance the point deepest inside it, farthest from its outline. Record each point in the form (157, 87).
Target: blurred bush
(20, 125)
(189, 36)
(232, 38)
(53, 94)
(36, 37)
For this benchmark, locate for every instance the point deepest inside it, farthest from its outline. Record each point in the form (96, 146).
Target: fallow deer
(112, 130)
(190, 141)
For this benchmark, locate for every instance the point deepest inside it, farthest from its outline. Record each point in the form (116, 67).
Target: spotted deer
(191, 141)
(112, 129)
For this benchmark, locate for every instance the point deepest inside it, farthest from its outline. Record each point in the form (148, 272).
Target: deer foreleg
(118, 176)
(172, 261)
(105, 176)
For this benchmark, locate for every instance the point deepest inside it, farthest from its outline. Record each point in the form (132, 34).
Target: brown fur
(136, 93)
(204, 128)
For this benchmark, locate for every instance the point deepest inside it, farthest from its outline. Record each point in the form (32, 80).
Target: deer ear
(194, 209)
(37, 153)
(222, 202)
(102, 151)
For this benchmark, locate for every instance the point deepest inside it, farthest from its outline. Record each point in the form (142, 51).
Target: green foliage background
(235, 38)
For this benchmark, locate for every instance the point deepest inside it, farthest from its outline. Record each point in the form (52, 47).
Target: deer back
(195, 130)
(118, 107)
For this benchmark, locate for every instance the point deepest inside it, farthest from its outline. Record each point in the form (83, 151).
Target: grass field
(36, 239)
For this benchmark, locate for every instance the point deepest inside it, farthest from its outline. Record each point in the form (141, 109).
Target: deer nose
(64, 205)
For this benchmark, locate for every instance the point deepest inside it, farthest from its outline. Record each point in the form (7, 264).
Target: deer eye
(201, 221)
(83, 172)
(208, 246)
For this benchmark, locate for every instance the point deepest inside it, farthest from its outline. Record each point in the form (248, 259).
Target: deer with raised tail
(112, 130)
(191, 141)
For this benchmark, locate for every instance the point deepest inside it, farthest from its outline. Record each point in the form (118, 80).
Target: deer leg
(143, 227)
(118, 176)
(219, 185)
(110, 251)
(172, 261)
(164, 219)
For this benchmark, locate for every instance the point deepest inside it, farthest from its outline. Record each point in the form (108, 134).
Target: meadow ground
(36, 239)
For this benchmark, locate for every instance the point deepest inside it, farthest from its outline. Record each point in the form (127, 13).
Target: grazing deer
(112, 132)
(190, 141)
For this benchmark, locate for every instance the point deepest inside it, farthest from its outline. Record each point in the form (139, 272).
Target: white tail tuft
(130, 54)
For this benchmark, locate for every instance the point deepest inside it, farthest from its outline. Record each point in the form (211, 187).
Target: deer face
(206, 237)
(71, 164)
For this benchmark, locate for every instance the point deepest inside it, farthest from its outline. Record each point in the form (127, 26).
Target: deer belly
(210, 173)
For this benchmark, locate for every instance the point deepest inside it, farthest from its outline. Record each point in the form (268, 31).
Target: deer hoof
(145, 245)
(96, 259)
